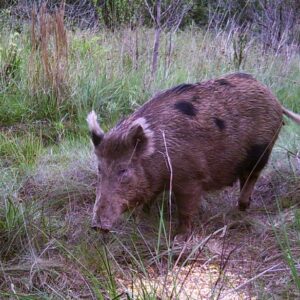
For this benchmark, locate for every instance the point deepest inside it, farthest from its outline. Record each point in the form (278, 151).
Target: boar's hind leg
(249, 170)
(247, 184)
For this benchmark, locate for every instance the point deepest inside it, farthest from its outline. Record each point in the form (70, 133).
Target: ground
(231, 254)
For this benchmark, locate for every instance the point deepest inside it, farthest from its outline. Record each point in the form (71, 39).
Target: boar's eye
(122, 172)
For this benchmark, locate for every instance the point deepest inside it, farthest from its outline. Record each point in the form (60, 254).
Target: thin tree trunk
(156, 39)
(169, 48)
(136, 47)
(155, 51)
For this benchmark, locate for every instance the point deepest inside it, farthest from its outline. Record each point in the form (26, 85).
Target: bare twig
(170, 181)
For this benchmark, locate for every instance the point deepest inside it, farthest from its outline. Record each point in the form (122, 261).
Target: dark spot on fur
(181, 88)
(257, 157)
(243, 75)
(220, 123)
(96, 139)
(186, 108)
(177, 90)
(195, 98)
(224, 82)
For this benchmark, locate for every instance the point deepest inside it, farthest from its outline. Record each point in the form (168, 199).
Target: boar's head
(122, 180)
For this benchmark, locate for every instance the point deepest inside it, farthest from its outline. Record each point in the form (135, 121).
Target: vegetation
(51, 77)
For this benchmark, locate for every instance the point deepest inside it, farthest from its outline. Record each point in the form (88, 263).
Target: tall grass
(60, 75)
(48, 68)
(47, 171)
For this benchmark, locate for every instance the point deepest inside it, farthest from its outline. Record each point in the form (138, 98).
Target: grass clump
(19, 151)
(10, 60)
(49, 54)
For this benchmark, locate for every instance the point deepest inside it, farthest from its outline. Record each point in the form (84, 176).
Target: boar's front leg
(187, 203)
(247, 183)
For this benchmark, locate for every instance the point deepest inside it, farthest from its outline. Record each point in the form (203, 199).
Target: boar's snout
(106, 212)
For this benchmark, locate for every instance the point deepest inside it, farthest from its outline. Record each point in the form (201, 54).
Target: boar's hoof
(96, 228)
(243, 206)
(182, 238)
(103, 230)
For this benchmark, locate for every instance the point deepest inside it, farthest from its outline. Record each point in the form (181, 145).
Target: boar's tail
(295, 117)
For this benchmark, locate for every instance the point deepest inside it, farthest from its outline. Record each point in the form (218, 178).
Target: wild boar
(204, 136)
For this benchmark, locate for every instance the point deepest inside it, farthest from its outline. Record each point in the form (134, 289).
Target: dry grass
(49, 45)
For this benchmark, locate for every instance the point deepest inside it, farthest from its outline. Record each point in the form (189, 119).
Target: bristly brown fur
(211, 133)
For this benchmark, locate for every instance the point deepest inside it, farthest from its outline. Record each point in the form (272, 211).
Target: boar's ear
(141, 137)
(95, 130)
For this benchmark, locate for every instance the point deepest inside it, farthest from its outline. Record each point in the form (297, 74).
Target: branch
(150, 11)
